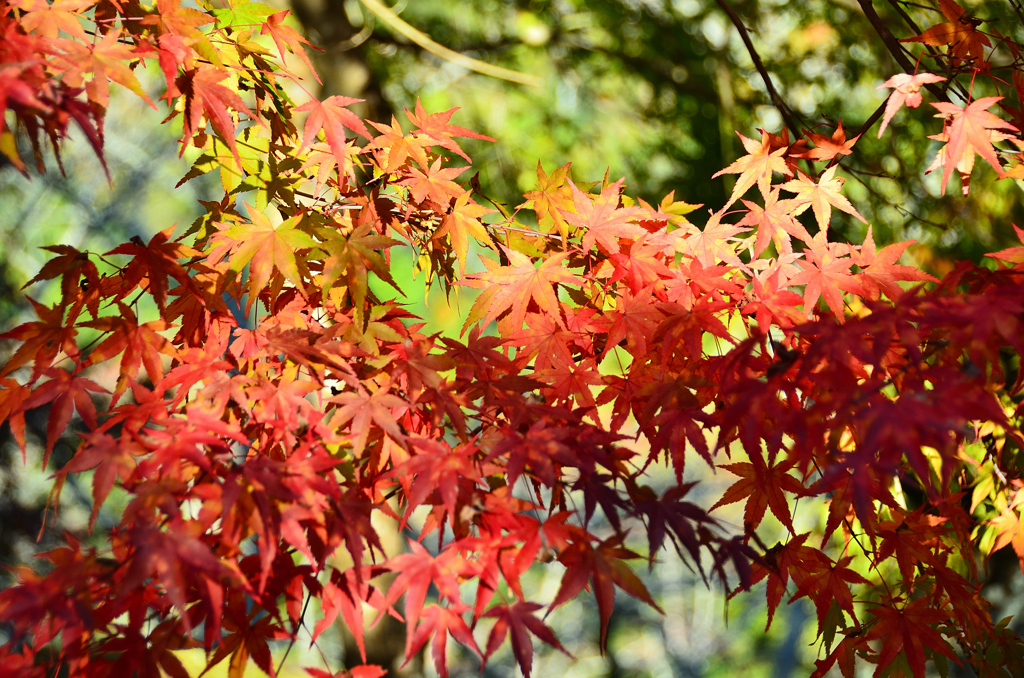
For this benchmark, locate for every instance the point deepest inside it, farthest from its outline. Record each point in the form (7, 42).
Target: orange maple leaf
(756, 167)
(960, 33)
(821, 197)
(514, 286)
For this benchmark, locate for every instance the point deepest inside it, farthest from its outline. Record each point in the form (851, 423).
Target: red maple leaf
(604, 567)
(331, 116)
(829, 147)
(516, 285)
(437, 127)
(909, 629)
(518, 618)
(765, 486)
(286, 36)
(204, 96)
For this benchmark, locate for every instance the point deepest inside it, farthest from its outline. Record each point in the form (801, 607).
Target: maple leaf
(437, 127)
(345, 594)
(103, 60)
(909, 630)
(908, 91)
(518, 618)
(775, 223)
(331, 116)
(970, 130)
(72, 266)
(827, 584)
(435, 182)
(204, 96)
(363, 406)
(42, 340)
(322, 158)
(763, 487)
(416, 572)
(137, 344)
(67, 392)
(1011, 255)
(756, 167)
(960, 33)
(46, 20)
(881, 272)
(774, 304)
(604, 567)
(399, 146)
(552, 197)
(286, 36)
(821, 197)
(462, 221)
(829, 147)
(519, 283)
(602, 220)
(351, 258)
(1009, 529)
(155, 261)
(264, 249)
(669, 515)
(714, 243)
(112, 458)
(827, 274)
(438, 622)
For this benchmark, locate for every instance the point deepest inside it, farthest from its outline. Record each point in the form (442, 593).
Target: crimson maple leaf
(764, 485)
(518, 618)
(67, 392)
(604, 567)
(909, 629)
(155, 261)
(881, 272)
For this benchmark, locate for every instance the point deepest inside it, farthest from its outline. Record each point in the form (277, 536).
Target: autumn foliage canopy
(273, 395)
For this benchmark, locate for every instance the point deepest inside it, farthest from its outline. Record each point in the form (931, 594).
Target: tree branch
(777, 100)
(894, 46)
(423, 40)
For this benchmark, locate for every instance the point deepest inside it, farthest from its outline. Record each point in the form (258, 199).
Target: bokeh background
(650, 90)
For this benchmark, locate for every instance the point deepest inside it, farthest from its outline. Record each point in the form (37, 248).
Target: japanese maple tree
(267, 402)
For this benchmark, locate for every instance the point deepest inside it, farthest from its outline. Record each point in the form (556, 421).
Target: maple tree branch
(397, 24)
(777, 100)
(894, 46)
